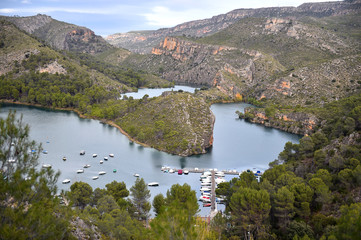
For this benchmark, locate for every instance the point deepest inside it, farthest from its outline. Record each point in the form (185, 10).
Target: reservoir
(237, 145)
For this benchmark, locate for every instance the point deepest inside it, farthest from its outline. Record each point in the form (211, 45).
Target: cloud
(26, 1)
(7, 10)
(161, 16)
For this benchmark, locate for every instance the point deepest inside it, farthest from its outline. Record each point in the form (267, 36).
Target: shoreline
(109, 122)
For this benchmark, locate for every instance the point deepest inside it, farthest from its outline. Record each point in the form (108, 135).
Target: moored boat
(186, 172)
(111, 155)
(80, 171)
(101, 161)
(95, 177)
(106, 158)
(86, 166)
(153, 184)
(136, 175)
(102, 172)
(180, 172)
(64, 158)
(114, 170)
(65, 181)
(82, 152)
(46, 166)
(95, 155)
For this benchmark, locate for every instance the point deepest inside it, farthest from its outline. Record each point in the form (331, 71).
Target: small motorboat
(64, 158)
(185, 172)
(46, 166)
(101, 161)
(204, 198)
(205, 189)
(207, 173)
(82, 152)
(102, 172)
(86, 166)
(95, 177)
(95, 155)
(206, 184)
(114, 170)
(180, 172)
(106, 158)
(153, 184)
(80, 171)
(171, 170)
(219, 174)
(111, 155)
(65, 181)
(136, 175)
(208, 194)
(220, 180)
(45, 152)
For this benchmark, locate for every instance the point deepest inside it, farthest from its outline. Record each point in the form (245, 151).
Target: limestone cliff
(61, 35)
(294, 122)
(143, 42)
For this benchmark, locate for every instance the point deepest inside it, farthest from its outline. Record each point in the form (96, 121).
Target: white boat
(86, 166)
(102, 173)
(82, 152)
(45, 152)
(136, 175)
(101, 161)
(219, 174)
(204, 176)
(106, 158)
(206, 180)
(111, 155)
(95, 155)
(65, 181)
(204, 198)
(153, 184)
(207, 173)
(206, 184)
(220, 180)
(11, 160)
(207, 194)
(64, 158)
(95, 177)
(171, 170)
(46, 166)
(80, 171)
(186, 172)
(203, 189)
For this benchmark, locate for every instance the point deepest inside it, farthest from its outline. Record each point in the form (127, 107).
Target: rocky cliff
(289, 61)
(143, 42)
(61, 35)
(294, 122)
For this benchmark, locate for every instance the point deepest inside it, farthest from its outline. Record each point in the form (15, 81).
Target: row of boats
(206, 187)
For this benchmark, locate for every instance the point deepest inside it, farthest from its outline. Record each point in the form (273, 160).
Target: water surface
(237, 145)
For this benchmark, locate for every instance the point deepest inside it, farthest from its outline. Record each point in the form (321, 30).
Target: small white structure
(153, 184)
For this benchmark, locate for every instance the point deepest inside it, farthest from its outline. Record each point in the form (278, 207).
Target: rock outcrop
(61, 35)
(294, 122)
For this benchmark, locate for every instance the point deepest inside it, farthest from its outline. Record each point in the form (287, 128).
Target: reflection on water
(237, 145)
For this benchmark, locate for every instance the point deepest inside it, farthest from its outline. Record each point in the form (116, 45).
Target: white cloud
(26, 1)
(7, 10)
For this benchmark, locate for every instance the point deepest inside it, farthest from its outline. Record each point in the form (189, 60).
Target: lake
(237, 145)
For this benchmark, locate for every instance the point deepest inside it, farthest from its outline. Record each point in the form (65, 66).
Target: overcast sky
(106, 17)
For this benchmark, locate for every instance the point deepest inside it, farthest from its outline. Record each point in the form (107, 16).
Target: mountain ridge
(143, 43)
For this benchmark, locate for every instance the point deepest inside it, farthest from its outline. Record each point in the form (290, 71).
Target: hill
(289, 61)
(144, 41)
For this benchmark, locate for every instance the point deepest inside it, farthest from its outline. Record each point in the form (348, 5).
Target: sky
(107, 17)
